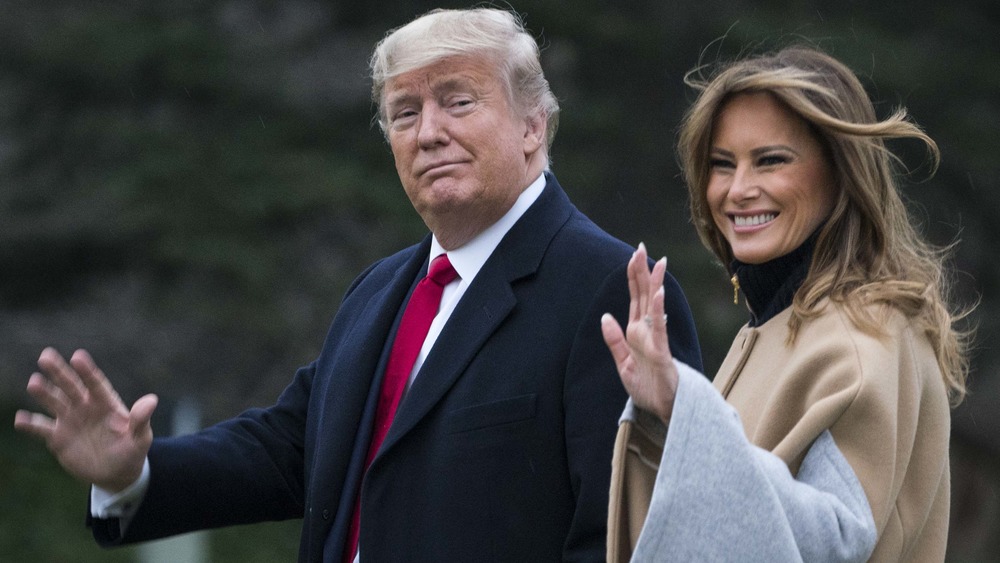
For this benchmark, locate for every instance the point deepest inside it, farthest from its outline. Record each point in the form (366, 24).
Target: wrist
(665, 403)
(123, 481)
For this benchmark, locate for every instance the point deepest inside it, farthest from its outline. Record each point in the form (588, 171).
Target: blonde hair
(498, 35)
(868, 251)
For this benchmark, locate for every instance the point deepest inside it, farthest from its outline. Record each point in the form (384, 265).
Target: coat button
(326, 514)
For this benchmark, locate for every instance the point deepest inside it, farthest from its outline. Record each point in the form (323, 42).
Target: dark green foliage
(187, 189)
(42, 515)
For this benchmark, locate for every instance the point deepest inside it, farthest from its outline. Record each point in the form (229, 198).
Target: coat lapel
(483, 308)
(384, 310)
(369, 340)
(361, 356)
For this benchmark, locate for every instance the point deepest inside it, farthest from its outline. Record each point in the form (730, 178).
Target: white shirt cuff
(123, 505)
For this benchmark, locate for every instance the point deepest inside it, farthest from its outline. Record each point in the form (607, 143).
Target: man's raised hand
(89, 430)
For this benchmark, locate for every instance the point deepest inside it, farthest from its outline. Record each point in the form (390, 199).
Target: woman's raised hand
(642, 352)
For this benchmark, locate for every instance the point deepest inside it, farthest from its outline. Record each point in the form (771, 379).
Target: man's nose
(432, 129)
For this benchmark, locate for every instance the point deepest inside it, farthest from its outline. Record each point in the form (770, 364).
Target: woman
(825, 437)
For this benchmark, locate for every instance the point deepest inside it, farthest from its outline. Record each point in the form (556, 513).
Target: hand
(642, 352)
(92, 433)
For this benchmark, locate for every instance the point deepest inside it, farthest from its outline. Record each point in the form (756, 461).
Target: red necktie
(417, 317)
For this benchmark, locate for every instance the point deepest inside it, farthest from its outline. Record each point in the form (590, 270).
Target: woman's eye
(771, 160)
(719, 163)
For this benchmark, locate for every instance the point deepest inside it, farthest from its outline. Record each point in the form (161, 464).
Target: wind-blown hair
(498, 35)
(868, 250)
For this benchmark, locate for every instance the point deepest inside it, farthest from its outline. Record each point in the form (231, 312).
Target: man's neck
(462, 228)
(470, 257)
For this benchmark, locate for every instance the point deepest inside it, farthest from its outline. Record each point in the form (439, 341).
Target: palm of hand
(644, 372)
(91, 432)
(96, 442)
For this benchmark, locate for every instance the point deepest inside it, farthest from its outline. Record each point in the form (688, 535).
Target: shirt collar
(469, 258)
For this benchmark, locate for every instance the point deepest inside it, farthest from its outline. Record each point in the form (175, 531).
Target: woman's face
(770, 185)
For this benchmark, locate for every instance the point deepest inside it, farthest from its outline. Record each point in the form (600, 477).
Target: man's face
(463, 154)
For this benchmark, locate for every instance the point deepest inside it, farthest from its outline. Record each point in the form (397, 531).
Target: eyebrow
(770, 148)
(398, 97)
(755, 152)
(453, 83)
(405, 95)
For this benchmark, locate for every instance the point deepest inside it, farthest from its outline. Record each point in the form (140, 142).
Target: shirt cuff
(124, 504)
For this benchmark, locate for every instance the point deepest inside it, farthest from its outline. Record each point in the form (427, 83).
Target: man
(500, 447)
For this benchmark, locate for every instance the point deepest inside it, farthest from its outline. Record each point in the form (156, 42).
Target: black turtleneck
(769, 287)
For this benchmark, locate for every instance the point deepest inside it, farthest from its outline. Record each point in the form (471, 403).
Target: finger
(34, 423)
(614, 338)
(640, 271)
(660, 339)
(655, 283)
(643, 277)
(49, 396)
(656, 276)
(633, 287)
(62, 375)
(142, 413)
(93, 378)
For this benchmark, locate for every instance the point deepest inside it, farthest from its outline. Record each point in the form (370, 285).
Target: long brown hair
(868, 251)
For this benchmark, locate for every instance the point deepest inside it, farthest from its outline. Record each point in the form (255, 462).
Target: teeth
(754, 220)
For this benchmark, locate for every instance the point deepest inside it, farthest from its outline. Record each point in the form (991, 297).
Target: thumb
(142, 413)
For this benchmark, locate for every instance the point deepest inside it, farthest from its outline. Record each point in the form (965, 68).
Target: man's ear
(534, 132)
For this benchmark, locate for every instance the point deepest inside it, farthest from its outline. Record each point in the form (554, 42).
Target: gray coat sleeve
(717, 497)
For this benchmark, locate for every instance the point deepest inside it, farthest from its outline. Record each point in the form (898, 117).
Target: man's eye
(460, 103)
(402, 117)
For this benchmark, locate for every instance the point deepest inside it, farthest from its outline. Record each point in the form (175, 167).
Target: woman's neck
(770, 287)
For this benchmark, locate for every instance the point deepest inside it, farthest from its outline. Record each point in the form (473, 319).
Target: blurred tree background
(187, 188)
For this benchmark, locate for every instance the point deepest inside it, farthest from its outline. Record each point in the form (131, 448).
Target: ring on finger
(649, 320)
